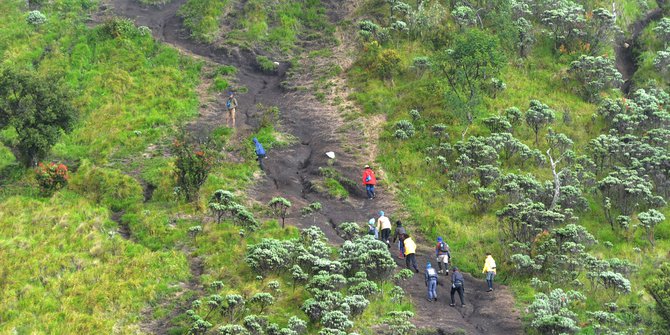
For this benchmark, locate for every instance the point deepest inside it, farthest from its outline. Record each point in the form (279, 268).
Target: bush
(109, 187)
(266, 65)
(51, 177)
(36, 18)
(192, 165)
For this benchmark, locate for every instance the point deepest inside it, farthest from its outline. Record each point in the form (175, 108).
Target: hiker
(369, 181)
(231, 105)
(490, 270)
(443, 255)
(399, 232)
(431, 282)
(410, 253)
(457, 283)
(260, 153)
(372, 230)
(384, 226)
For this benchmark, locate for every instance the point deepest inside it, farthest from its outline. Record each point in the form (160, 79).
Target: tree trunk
(557, 181)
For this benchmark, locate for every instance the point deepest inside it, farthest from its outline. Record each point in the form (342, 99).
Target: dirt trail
(626, 57)
(294, 171)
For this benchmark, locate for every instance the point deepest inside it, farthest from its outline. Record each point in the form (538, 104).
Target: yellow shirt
(489, 265)
(410, 246)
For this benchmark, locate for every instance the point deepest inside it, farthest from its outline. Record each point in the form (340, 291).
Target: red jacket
(371, 180)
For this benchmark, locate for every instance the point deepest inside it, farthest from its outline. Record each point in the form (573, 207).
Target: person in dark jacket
(431, 282)
(457, 283)
(397, 236)
(260, 153)
(443, 255)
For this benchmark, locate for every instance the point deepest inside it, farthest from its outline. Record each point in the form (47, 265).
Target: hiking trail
(293, 172)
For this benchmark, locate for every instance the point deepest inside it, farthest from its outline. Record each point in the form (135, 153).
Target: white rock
(330, 154)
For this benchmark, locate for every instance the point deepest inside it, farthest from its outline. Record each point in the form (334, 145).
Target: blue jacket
(259, 148)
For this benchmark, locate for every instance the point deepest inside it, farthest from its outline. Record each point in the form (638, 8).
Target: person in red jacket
(369, 181)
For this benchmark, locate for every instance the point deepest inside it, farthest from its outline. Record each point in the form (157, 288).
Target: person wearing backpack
(231, 105)
(431, 282)
(260, 153)
(384, 227)
(369, 181)
(410, 253)
(457, 283)
(490, 270)
(443, 255)
(397, 236)
(372, 230)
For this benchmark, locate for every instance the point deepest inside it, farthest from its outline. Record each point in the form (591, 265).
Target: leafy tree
(348, 230)
(552, 314)
(484, 198)
(662, 30)
(404, 129)
(192, 165)
(194, 231)
(498, 124)
(525, 38)
(221, 203)
(280, 207)
(386, 64)
(662, 60)
(311, 209)
(615, 281)
(513, 116)
(232, 330)
(298, 275)
(336, 320)
(298, 325)
(565, 21)
(36, 18)
(649, 220)
(262, 300)
(464, 16)
(474, 56)
(626, 189)
(600, 29)
(39, 110)
(268, 256)
(521, 222)
(658, 287)
(537, 116)
(595, 74)
(367, 255)
(399, 324)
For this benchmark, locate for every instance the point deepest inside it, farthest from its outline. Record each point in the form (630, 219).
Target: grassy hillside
(398, 74)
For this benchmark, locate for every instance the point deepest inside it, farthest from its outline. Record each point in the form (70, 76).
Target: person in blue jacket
(260, 153)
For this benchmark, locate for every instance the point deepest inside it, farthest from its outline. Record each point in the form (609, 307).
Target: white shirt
(384, 222)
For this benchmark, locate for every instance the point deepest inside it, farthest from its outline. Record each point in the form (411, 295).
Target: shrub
(280, 208)
(551, 313)
(268, 256)
(109, 187)
(36, 18)
(119, 28)
(38, 109)
(404, 129)
(192, 165)
(336, 320)
(595, 74)
(348, 230)
(658, 287)
(262, 300)
(51, 177)
(266, 65)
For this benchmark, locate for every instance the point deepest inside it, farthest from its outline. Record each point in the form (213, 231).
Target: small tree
(280, 208)
(595, 74)
(662, 30)
(386, 64)
(51, 177)
(36, 18)
(659, 288)
(194, 231)
(537, 116)
(221, 203)
(399, 323)
(649, 220)
(298, 275)
(263, 300)
(348, 230)
(464, 17)
(311, 209)
(552, 314)
(38, 109)
(192, 165)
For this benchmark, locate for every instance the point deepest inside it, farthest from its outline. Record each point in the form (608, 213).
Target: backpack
(444, 247)
(431, 273)
(229, 103)
(371, 231)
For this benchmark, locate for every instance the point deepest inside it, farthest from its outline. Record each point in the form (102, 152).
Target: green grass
(201, 18)
(335, 189)
(67, 274)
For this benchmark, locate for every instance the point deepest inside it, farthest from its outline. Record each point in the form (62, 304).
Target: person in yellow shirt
(490, 270)
(410, 253)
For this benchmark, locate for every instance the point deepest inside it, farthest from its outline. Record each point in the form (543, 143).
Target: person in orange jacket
(369, 181)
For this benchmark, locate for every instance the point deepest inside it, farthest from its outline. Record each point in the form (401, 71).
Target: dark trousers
(371, 190)
(260, 161)
(386, 234)
(411, 260)
(460, 294)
